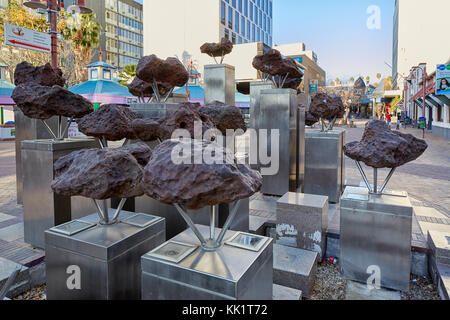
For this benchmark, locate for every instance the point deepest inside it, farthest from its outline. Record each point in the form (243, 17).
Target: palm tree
(84, 35)
(367, 79)
(127, 75)
(337, 81)
(378, 76)
(352, 80)
(332, 84)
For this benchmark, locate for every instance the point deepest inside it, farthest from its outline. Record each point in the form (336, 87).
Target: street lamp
(53, 7)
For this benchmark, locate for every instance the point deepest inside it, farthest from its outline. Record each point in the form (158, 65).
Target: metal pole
(375, 180)
(119, 208)
(191, 224)
(227, 224)
(366, 181)
(59, 127)
(387, 180)
(49, 129)
(105, 211)
(212, 221)
(52, 9)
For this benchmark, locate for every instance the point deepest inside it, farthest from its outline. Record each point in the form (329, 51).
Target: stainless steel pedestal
(42, 208)
(154, 111)
(325, 163)
(101, 262)
(279, 111)
(375, 238)
(29, 129)
(220, 84)
(180, 269)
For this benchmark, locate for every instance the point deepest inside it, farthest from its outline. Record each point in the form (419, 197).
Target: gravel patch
(37, 293)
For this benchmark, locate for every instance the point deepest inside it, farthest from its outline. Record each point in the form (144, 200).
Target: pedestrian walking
(388, 119)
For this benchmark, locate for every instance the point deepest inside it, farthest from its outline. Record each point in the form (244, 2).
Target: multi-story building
(309, 62)
(121, 39)
(179, 27)
(419, 37)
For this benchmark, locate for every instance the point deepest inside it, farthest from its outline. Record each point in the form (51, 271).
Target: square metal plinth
(279, 116)
(230, 273)
(375, 238)
(42, 208)
(107, 258)
(220, 84)
(325, 163)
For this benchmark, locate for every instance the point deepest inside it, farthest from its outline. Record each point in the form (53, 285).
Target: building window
(239, 40)
(270, 8)
(251, 12)
(253, 33)
(246, 8)
(233, 38)
(222, 12)
(230, 17)
(248, 29)
(227, 34)
(243, 26)
(94, 74)
(236, 21)
(233, 2)
(107, 74)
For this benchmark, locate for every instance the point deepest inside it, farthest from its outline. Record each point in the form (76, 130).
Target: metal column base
(375, 236)
(180, 269)
(105, 258)
(220, 84)
(324, 164)
(42, 208)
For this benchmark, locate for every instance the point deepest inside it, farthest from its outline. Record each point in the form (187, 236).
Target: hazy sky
(337, 31)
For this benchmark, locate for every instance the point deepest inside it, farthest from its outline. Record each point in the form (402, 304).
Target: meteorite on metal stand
(29, 129)
(325, 163)
(99, 259)
(375, 236)
(198, 265)
(42, 207)
(220, 84)
(280, 115)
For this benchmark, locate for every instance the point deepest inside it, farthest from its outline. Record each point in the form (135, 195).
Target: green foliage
(127, 75)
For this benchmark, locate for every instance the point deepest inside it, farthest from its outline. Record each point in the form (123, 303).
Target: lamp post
(52, 8)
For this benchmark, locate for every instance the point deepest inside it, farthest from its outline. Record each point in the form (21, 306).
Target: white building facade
(179, 27)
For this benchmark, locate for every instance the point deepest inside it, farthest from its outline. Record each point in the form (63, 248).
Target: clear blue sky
(337, 31)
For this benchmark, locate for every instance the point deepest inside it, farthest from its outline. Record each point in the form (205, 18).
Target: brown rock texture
(222, 48)
(184, 117)
(140, 151)
(45, 75)
(110, 121)
(98, 174)
(197, 185)
(169, 72)
(274, 64)
(140, 88)
(41, 102)
(224, 116)
(310, 119)
(325, 107)
(381, 147)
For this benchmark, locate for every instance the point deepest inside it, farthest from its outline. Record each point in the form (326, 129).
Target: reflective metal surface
(300, 148)
(230, 273)
(279, 111)
(154, 111)
(375, 238)
(255, 106)
(220, 84)
(108, 258)
(28, 129)
(324, 163)
(175, 223)
(43, 208)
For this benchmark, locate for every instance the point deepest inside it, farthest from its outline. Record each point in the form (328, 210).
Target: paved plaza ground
(427, 180)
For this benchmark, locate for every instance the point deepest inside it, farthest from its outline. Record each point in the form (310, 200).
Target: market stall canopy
(101, 87)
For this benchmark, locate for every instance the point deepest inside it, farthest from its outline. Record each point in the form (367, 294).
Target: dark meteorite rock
(224, 117)
(200, 184)
(42, 102)
(185, 117)
(222, 48)
(149, 130)
(110, 121)
(325, 107)
(273, 64)
(170, 71)
(98, 174)
(26, 73)
(381, 147)
(140, 151)
(140, 88)
(310, 120)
